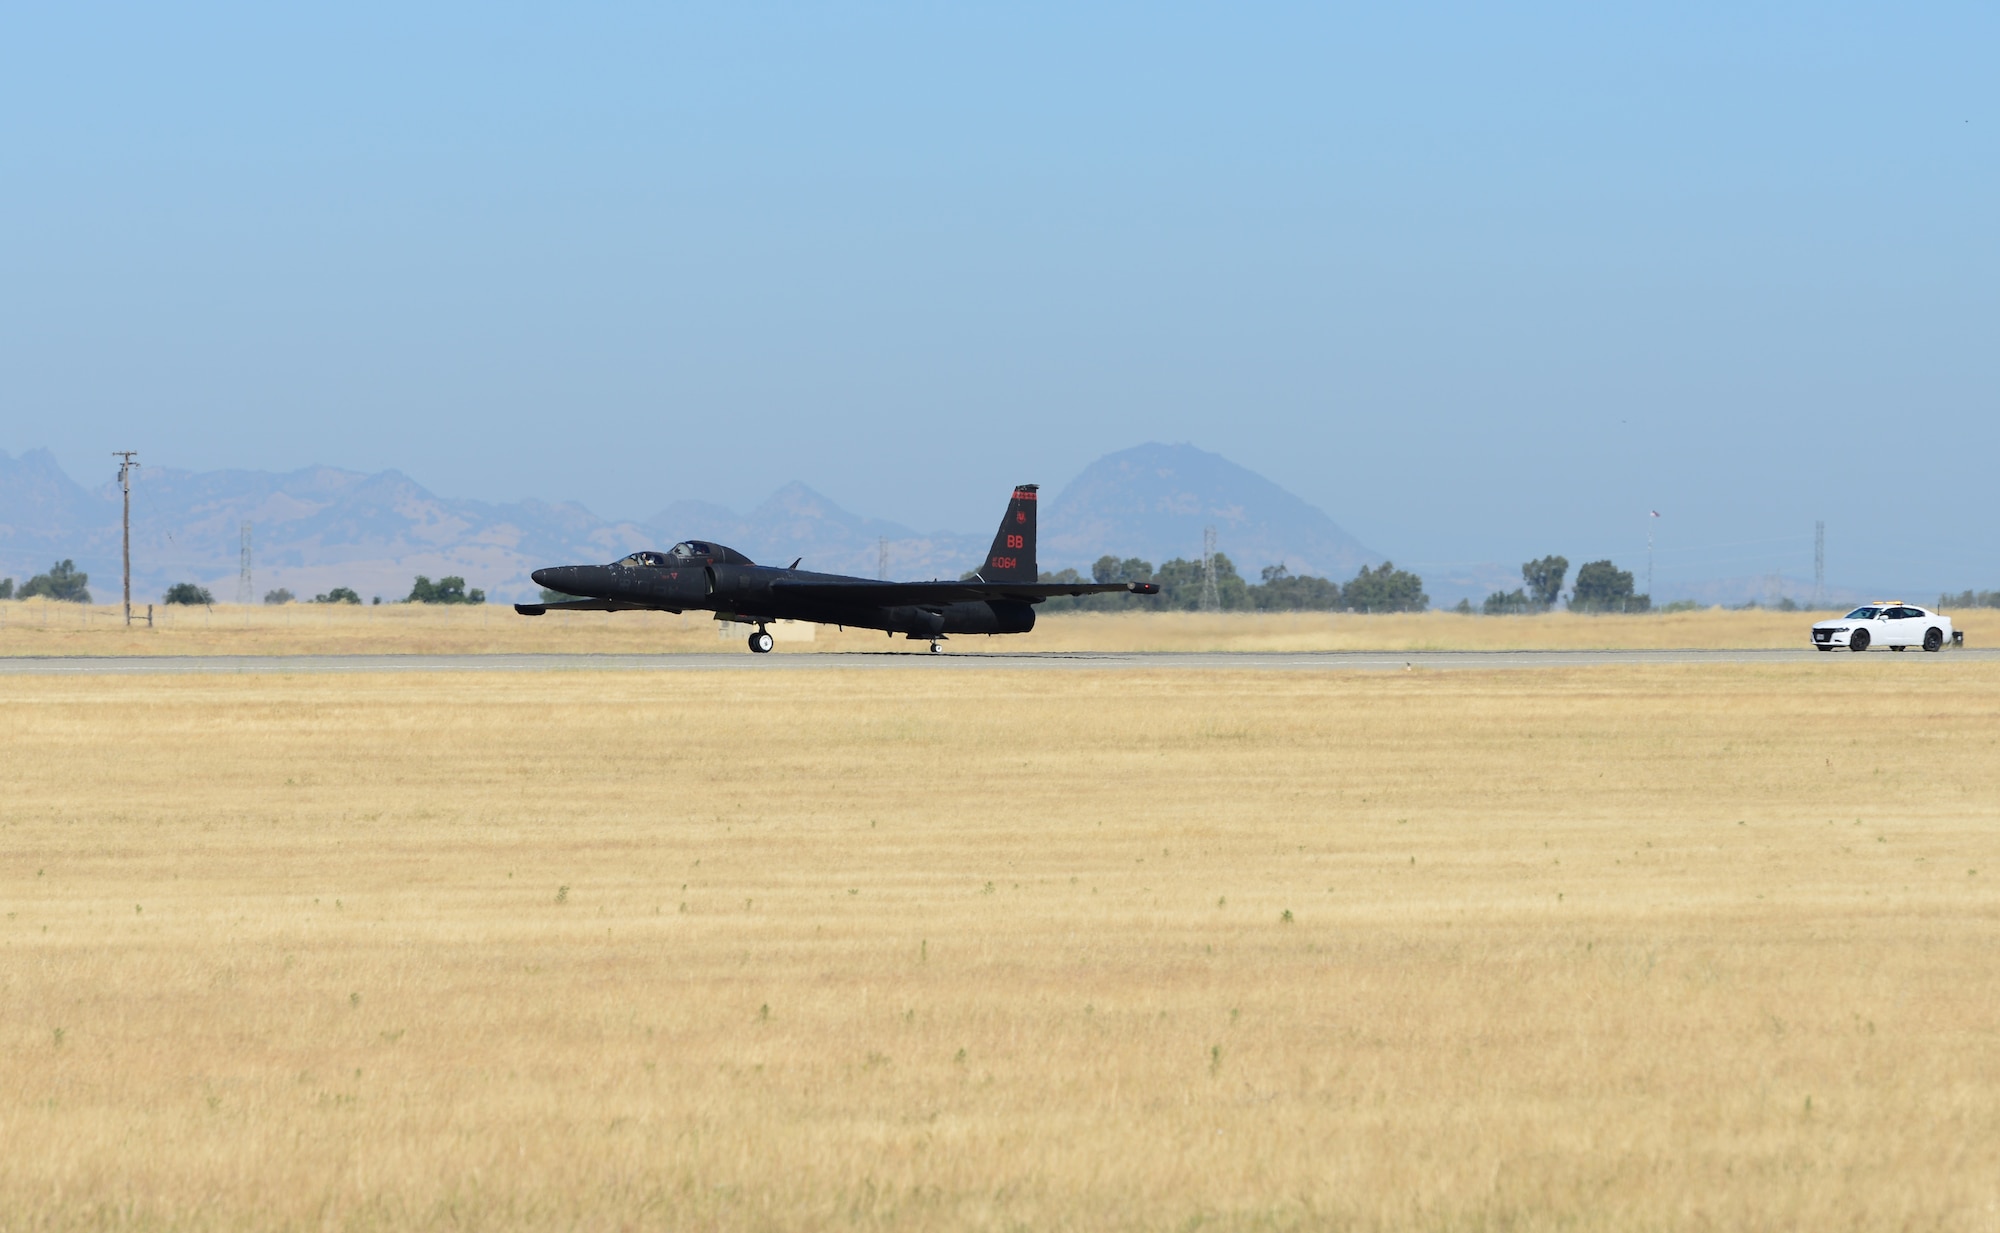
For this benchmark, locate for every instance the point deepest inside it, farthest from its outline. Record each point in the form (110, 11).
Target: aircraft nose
(555, 576)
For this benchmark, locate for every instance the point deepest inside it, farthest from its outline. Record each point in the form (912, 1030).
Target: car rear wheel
(1858, 640)
(1933, 639)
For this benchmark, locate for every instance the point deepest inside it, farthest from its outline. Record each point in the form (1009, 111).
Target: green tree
(6, 588)
(1107, 569)
(1283, 591)
(1180, 584)
(1964, 599)
(189, 594)
(1508, 603)
(1603, 587)
(64, 581)
(279, 596)
(449, 589)
(1385, 589)
(338, 595)
(1545, 579)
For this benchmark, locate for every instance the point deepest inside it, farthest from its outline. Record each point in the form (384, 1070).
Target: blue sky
(1481, 282)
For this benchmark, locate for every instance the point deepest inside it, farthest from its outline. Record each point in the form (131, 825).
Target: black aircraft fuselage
(699, 575)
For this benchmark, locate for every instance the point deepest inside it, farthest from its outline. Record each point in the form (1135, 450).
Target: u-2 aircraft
(998, 598)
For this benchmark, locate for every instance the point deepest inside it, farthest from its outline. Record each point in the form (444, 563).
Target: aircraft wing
(897, 594)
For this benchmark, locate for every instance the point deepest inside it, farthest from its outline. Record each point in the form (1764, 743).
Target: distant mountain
(311, 530)
(795, 521)
(322, 527)
(1154, 501)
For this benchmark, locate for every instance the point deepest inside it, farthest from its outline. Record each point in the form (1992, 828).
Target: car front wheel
(1858, 640)
(1933, 639)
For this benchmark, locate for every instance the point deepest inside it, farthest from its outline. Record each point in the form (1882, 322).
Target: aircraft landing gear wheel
(1933, 639)
(761, 642)
(1858, 641)
(936, 649)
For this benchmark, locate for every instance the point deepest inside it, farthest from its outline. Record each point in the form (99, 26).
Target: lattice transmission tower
(1819, 562)
(1211, 599)
(244, 591)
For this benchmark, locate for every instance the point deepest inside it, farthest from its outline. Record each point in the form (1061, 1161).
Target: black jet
(998, 598)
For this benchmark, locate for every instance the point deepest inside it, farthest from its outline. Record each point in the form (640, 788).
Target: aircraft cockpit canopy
(652, 559)
(695, 549)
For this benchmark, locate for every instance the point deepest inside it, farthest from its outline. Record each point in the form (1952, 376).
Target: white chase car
(1891, 623)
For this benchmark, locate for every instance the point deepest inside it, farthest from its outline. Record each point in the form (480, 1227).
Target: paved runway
(915, 661)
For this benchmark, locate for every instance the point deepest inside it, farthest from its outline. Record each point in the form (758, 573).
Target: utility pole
(1819, 562)
(882, 559)
(1652, 515)
(1211, 600)
(125, 465)
(243, 587)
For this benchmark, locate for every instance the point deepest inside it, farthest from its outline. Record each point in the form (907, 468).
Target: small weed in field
(1286, 919)
(875, 1061)
(137, 910)
(354, 999)
(562, 894)
(924, 951)
(986, 889)
(1214, 1059)
(59, 1038)
(764, 1013)
(1222, 901)
(960, 1058)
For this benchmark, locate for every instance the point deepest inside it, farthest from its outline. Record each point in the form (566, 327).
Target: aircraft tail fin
(1012, 557)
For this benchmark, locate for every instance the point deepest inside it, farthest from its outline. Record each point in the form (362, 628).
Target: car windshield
(1863, 614)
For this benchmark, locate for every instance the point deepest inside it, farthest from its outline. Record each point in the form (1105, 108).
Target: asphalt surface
(913, 661)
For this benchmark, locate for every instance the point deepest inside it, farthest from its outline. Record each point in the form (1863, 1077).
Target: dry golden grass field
(40, 628)
(1626, 948)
